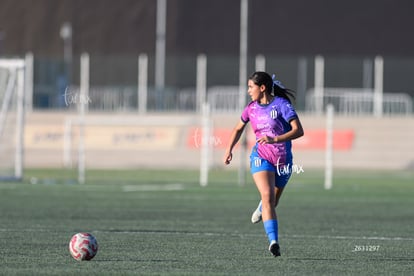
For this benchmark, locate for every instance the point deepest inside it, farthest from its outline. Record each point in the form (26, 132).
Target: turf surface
(164, 223)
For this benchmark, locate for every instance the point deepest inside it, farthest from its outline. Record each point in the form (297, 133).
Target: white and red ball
(83, 246)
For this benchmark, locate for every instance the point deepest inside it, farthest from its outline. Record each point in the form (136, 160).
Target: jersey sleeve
(288, 111)
(245, 115)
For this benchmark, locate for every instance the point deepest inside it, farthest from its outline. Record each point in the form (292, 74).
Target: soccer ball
(83, 246)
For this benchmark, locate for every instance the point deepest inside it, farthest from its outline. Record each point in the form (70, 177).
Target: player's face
(255, 91)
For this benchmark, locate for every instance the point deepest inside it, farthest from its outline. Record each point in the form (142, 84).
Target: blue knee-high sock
(271, 229)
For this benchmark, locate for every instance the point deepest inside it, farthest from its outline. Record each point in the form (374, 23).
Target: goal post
(329, 147)
(12, 90)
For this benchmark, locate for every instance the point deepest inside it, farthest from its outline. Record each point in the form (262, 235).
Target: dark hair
(263, 78)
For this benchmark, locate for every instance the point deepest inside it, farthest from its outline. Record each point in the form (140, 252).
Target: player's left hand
(266, 140)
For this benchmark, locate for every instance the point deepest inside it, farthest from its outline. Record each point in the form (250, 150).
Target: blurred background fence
(348, 82)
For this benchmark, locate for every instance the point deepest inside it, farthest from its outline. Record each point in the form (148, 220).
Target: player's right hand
(227, 158)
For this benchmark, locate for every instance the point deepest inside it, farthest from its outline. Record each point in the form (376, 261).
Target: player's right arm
(234, 138)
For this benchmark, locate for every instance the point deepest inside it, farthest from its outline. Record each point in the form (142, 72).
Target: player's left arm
(295, 132)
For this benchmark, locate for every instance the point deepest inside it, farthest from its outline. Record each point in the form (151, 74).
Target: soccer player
(275, 123)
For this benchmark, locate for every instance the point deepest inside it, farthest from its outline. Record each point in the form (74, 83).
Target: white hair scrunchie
(277, 82)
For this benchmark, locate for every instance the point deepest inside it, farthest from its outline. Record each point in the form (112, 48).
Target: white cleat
(257, 216)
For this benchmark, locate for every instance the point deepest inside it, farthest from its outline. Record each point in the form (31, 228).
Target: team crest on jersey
(273, 114)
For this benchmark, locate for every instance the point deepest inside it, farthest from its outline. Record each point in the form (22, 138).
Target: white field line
(152, 187)
(328, 237)
(125, 188)
(217, 234)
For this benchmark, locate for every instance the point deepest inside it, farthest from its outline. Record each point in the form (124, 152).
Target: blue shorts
(258, 164)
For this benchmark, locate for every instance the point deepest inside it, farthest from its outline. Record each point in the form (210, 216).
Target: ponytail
(274, 86)
(279, 90)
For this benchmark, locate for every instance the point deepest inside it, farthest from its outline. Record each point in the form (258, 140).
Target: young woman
(275, 123)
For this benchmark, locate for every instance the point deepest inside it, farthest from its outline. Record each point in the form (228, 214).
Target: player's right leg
(257, 214)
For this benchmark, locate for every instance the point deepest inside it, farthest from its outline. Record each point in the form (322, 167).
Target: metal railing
(225, 99)
(358, 101)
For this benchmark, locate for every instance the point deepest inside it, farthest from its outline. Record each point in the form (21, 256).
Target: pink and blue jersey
(271, 120)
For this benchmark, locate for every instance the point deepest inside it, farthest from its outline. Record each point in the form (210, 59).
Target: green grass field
(164, 223)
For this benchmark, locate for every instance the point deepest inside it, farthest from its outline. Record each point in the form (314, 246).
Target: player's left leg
(257, 214)
(264, 181)
(280, 183)
(270, 223)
